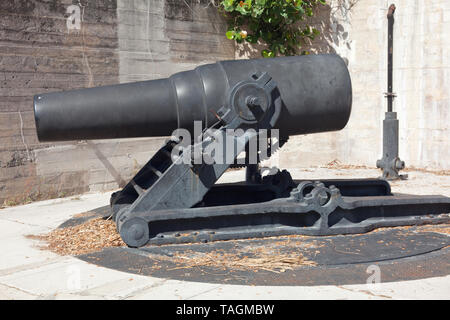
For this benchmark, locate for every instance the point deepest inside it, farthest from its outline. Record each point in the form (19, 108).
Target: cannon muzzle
(315, 90)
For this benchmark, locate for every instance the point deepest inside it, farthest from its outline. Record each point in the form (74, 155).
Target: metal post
(252, 170)
(390, 95)
(390, 162)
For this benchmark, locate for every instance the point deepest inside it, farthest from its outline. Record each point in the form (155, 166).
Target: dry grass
(336, 164)
(91, 236)
(259, 258)
(97, 234)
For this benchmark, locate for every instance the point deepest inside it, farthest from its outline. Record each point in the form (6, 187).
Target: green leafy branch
(271, 22)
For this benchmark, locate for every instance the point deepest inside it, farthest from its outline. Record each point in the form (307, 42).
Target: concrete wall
(39, 54)
(421, 81)
(132, 40)
(119, 41)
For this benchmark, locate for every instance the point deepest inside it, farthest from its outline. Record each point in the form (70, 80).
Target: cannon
(254, 106)
(316, 91)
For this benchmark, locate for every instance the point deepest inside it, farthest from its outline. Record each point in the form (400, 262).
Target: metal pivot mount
(390, 163)
(168, 182)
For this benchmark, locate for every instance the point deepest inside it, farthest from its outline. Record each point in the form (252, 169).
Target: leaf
(228, 5)
(252, 38)
(272, 22)
(268, 54)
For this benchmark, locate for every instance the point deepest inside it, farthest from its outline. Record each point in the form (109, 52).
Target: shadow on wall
(330, 20)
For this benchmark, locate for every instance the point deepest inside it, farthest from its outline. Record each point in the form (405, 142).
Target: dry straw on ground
(97, 234)
(336, 164)
(259, 258)
(91, 236)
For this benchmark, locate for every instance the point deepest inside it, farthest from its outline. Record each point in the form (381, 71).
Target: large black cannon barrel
(315, 89)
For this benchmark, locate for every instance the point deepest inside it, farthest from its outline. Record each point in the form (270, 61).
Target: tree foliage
(274, 23)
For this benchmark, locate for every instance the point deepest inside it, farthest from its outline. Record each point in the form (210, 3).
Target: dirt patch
(91, 236)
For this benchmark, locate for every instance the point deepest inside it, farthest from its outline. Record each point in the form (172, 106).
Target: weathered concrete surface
(26, 272)
(421, 81)
(158, 38)
(38, 53)
(119, 41)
